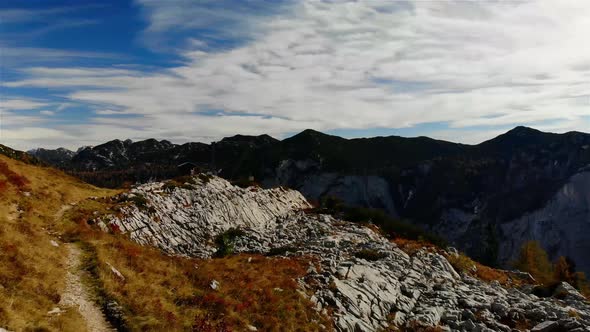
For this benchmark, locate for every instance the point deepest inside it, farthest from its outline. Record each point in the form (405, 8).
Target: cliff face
(364, 280)
(487, 200)
(561, 225)
(307, 177)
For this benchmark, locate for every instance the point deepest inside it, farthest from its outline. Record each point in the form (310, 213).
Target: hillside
(486, 199)
(32, 268)
(57, 270)
(354, 275)
(197, 253)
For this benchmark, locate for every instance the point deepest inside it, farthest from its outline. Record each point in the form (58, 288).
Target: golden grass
(410, 247)
(464, 264)
(174, 294)
(158, 293)
(31, 269)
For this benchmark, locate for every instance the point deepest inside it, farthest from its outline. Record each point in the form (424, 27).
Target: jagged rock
(468, 325)
(569, 323)
(54, 311)
(364, 294)
(116, 272)
(184, 220)
(566, 290)
(500, 309)
(453, 251)
(214, 284)
(547, 326)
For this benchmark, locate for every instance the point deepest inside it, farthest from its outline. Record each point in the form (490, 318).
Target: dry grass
(464, 264)
(159, 292)
(410, 247)
(31, 269)
(176, 293)
(173, 293)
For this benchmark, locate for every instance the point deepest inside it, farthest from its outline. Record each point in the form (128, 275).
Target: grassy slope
(159, 292)
(31, 269)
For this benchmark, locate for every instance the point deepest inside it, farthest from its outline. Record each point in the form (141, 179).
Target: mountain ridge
(466, 193)
(304, 266)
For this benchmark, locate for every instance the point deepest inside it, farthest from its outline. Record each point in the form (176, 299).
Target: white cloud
(105, 112)
(19, 104)
(350, 64)
(24, 138)
(221, 19)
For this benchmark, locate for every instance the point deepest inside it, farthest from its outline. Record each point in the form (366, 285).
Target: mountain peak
(311, 132)
(261, 139)
(523, 131)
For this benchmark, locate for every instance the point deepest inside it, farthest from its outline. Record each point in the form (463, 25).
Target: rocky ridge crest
(364, 280)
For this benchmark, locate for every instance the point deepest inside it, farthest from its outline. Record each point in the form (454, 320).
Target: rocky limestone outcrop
(364, 280)
(184, 220)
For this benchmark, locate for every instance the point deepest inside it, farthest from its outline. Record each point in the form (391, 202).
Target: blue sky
(79, 73)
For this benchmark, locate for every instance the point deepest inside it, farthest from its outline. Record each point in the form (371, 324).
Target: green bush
(225, 242)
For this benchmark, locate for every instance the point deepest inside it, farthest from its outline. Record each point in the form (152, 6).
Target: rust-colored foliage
(533, 259)
(252, 290)
(12, 177)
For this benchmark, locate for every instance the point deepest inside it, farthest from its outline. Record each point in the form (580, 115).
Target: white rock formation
(360, 276)
(185, 220)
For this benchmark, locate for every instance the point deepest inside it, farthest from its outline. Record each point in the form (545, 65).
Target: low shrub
(205, 177)
(463, 264)
(139, 200)
(12, 177)
(390, 226)
(370, 254)
(225, 241)
(281, 251)
(534, 260)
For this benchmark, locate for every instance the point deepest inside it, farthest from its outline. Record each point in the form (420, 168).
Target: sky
(78, 73)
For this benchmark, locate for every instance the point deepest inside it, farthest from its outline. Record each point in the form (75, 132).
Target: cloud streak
(476, 67)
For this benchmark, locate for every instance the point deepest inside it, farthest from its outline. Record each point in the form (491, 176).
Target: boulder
(547, 326)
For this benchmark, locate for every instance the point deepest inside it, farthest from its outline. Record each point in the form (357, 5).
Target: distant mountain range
(486, 199)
